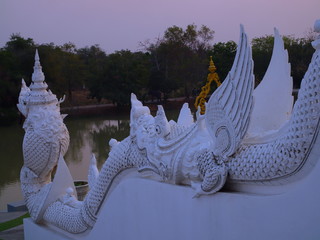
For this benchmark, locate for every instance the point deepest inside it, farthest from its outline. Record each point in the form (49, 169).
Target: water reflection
(87, 135)
(11, 160)
(92, 135)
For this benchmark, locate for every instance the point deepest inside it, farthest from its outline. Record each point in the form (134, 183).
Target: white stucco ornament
(276, 87)
(216, 150)
(316, 43)
(45, 140)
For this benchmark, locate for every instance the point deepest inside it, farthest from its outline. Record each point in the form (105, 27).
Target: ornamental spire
(212, 76)
(38, 87)
(37, 75)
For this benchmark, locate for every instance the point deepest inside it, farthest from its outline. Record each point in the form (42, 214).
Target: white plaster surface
(273, 96)
(139, 208)
(62, 181)
(145, 209)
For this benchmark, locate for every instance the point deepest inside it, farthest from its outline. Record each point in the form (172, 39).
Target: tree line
(173, 65)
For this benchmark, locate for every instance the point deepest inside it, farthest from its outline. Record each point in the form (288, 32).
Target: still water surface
(87, 135)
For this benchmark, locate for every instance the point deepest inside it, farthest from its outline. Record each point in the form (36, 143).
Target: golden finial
(212, 68)
(212, 76)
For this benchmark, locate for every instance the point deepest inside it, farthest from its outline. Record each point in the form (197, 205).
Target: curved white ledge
(145, 209)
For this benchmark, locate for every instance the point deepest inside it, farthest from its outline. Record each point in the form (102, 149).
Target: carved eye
(158, 129)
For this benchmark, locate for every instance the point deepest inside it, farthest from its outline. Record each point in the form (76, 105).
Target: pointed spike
(198, 115)
(64, 116)
(276, 86)
(137, 110)
(161, 112)
(23, 83)
(36, 57)
(241, 28)
(134, 101)
(316, 26)
(93, 172)
(160, 109)
(93, 160)
(278, 42)
(276, 32)
(162, 121)
(185, 117)
(133, 96)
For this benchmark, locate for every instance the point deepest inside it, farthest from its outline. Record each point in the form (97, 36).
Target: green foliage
(63, 68)
(300, 52)
(174, 64)
(117, 75)
(223, 55)
(95, 65)
(8, 116)
(261, 54)
(13, 223)
(179, 59)
(127, 72)
(13, 67)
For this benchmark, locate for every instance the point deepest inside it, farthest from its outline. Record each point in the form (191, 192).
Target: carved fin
(161, 121)
(185, 117)
(276, 87)
(229, 107)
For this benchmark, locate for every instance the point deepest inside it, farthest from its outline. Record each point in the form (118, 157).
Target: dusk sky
(122, 24)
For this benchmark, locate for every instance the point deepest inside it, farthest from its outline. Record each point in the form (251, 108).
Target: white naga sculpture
(216, 150)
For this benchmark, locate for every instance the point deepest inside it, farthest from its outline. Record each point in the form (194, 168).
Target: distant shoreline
(169, 104)
(96, 109)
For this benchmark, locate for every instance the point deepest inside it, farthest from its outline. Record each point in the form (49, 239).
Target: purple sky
(122, 24)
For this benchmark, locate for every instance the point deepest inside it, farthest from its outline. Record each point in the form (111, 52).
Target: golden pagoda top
(212, 76)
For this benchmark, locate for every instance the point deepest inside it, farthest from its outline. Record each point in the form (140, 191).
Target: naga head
(143, 126)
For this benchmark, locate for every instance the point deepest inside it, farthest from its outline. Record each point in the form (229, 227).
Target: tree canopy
(179, 59)
(173, 65)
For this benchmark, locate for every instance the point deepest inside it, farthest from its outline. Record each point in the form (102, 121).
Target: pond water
(87, 135)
